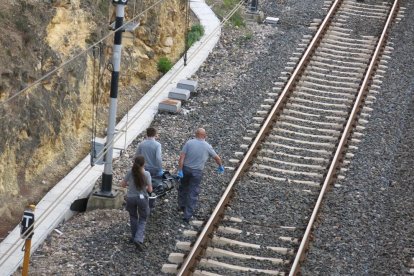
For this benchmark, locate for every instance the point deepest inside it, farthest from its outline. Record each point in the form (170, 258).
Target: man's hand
(220, 169)
(180, 174)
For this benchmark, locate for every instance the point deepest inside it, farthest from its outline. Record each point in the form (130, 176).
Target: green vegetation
(237, 20)
(164, 65)
(195, 33)
(244, 38)
(224, 8)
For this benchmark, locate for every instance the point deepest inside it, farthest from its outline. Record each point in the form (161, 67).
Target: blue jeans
(189, 190)
(138, 205)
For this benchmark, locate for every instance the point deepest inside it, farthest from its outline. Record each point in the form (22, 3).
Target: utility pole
(26, 233)
(254, 5)
(106, 187)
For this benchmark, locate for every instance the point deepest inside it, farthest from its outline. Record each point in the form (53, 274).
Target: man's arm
(159, 156)
(181, 161)
(123, 183)
(139, 150)
(218, 160)
(149, 184)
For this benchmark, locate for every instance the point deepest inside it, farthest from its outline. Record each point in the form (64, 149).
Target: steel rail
(340, 152)
(192, 55)
(201, 243)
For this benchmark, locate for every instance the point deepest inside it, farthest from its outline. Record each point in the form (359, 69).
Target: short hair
(200, 132)
(151, 132)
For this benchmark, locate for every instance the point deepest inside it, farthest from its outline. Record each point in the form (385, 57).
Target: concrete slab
(179, 94)
(169, 268)
(170, 105)
(187, 84)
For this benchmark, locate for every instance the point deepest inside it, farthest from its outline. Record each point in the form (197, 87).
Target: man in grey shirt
(193, 157)
(150, 148)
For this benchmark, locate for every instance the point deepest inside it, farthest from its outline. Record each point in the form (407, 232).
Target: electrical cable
(75, 57)
(187, 25)
(95, 101)
(197, 49)
(86, 170)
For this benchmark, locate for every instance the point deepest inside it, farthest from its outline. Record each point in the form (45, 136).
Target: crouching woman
(139, 185)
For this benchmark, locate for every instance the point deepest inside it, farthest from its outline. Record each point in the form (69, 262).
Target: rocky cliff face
(46, 129)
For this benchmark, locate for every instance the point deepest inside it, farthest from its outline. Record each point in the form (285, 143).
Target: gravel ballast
(232, 84)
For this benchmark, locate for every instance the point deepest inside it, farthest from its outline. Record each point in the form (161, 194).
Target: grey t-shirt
(196, 153)
(132, 188)
(151, 150)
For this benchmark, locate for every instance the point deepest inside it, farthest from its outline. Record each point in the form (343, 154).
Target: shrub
(198, 29)
(237, 20)
(164, 65)
(195, 33)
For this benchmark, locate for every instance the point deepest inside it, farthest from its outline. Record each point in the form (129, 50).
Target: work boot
(139, 246)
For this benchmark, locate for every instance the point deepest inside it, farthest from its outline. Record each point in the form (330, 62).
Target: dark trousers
(189, 190)
(155, 180)
(138, 205)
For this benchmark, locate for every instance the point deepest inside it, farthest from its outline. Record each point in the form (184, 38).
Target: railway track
(263, 222)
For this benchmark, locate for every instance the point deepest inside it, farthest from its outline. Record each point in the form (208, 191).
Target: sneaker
(186, 220)
(139, 246)
(181, 209)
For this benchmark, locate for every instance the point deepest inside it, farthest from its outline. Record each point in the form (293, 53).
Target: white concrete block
(271, 20)
(179, 94)
(187, 84)
(170, 105)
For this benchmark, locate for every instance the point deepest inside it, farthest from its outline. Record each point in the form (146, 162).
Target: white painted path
(79, 183)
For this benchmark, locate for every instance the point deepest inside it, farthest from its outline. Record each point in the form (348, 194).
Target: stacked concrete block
(181, 93)
(187, 84)
(170, 105)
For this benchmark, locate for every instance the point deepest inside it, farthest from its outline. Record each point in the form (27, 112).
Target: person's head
(200, 133)
(138, 172)
(151, 132)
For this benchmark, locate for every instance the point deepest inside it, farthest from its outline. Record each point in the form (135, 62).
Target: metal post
(187, 22)
(106, 188)
(26, 232)
(254, 5)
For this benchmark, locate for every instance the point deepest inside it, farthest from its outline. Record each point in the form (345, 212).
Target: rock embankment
(232, 84)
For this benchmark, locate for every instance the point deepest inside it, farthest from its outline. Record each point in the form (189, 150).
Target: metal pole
(26, 231)
(254, 5)
(27, 245)
(106, 188)
(187, 22)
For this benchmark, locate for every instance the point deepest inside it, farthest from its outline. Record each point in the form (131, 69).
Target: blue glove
(161, 172)
(180, 174)
(220, 169)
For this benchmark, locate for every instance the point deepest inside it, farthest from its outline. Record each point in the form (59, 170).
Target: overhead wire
(76, 56)
(197, 49)
(95, 100)
(86, 170)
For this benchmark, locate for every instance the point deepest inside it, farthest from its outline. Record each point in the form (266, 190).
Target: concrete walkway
(79, 183)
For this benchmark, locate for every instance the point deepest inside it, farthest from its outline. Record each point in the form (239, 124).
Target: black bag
(164, 184)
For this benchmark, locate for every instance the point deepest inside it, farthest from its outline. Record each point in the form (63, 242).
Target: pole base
(110, 194)
(105, 200)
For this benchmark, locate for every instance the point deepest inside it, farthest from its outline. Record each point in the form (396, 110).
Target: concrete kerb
(83, 178)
